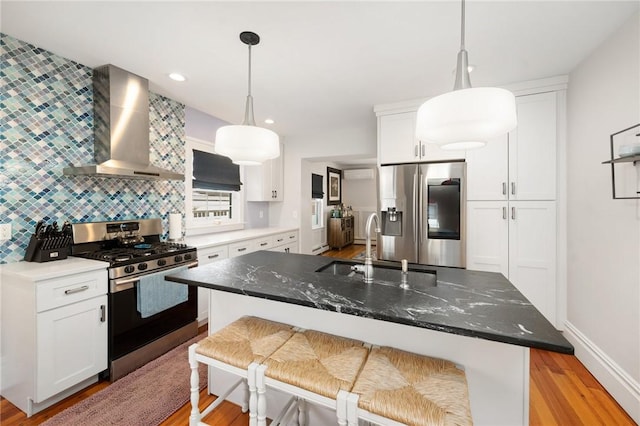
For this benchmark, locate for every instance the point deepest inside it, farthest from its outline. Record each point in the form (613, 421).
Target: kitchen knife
(39, 226)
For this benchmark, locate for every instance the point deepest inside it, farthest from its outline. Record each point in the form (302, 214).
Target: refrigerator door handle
(417, 197)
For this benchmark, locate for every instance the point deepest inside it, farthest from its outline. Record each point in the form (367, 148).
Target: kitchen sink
(384, 274)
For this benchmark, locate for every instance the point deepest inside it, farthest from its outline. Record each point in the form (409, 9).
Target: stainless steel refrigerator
(422, 213)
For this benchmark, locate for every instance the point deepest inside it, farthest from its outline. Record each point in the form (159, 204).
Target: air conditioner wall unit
(354, 174)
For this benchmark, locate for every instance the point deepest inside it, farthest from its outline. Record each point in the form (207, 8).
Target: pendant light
(466, 117)
(247, 144)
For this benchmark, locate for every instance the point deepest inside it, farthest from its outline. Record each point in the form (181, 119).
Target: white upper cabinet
(397, 141)
(532, 149)
(265, 182)
(521, 165)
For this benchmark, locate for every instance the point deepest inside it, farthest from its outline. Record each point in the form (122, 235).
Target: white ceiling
(319, 64)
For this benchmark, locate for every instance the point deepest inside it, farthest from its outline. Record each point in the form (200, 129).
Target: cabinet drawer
(285, 238)
(211, 254)
(264, 243)
(238, 249)
(70, 289)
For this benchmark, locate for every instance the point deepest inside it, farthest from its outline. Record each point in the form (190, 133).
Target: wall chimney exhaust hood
(121, 128)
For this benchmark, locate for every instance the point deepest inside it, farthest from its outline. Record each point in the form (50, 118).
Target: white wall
(295, 210)
(603, 294)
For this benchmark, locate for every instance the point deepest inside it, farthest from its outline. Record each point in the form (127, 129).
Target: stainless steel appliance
(422, 213)
(134, 251)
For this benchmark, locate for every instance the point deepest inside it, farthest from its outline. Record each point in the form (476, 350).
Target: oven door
(129, 330)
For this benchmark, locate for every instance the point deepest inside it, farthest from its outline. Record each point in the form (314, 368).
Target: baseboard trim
(624, 389)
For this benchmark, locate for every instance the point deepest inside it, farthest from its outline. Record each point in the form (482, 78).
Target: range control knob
(187, 257)
(177, 259)
(129, 269)
(142, 266)
(162, 262)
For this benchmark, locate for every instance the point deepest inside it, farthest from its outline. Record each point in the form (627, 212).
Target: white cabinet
(54, 330)
(517, 239)
(397, 142)
(266, 181)
(286, 242)
(205, 256)
(522, 164)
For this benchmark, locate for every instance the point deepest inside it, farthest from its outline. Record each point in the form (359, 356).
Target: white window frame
(319, 204)
(208, 226)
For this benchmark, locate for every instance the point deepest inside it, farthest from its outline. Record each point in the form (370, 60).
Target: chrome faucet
(368, 263)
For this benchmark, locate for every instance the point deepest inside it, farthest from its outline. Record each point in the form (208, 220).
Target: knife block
(47, 249)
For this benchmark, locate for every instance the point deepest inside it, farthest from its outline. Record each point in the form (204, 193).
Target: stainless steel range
(147, 315)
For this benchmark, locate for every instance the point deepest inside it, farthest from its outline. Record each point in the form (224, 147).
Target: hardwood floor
(562, 392)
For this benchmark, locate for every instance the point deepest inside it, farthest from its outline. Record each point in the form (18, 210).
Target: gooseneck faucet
(368, 263)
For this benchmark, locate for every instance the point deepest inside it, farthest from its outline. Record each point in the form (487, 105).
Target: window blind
(316, 186)
(215, 172)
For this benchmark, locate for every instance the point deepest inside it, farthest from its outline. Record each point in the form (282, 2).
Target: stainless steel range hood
(121, 128)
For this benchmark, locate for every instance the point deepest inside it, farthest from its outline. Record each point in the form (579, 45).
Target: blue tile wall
(46, 124)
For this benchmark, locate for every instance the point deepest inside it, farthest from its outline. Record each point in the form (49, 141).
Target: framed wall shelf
(628, 135)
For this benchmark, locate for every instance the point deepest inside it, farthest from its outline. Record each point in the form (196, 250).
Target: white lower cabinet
(517, 239)
(54, 330)
(206, 256)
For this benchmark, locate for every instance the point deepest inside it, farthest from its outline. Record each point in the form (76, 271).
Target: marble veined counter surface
(467, 303)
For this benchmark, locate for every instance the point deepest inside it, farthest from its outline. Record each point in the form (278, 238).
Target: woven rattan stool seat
(413, 389)
(246, 340)
(318, 362)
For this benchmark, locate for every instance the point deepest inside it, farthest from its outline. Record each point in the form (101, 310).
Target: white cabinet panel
(205, 256)
(488, 171)
(488, 237)
(532, 149)
(397, 140)
(265, 182)
(72, 345)
(517, 239)
(532, 253)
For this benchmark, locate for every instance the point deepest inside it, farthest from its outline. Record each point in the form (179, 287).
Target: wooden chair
(238, 348)
(397, 388)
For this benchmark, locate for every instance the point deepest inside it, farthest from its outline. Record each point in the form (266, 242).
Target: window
(213, 191)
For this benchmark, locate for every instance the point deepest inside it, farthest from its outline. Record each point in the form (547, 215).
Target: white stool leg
(302, 412)
(253, 394)
(245, 402)
(352, 409)
(341, 407)
(262, 400)
(194, 418)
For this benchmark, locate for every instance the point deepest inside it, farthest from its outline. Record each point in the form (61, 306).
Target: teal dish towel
(156, 295)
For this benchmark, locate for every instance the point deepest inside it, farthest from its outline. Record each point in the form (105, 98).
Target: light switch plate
(5, 231)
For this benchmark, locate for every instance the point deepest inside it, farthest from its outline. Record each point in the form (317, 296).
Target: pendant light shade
(467, 117)
(246, 143)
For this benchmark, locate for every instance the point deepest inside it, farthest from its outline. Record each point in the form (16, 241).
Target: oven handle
(120, 284)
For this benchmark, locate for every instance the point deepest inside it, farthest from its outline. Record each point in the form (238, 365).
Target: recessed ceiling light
(269, 121)
(177, 77)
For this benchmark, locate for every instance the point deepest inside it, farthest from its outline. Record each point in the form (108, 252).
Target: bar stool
(315, 367)
(237, 348)
(396, 387)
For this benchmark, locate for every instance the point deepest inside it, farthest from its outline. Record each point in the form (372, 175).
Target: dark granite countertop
(467, 303)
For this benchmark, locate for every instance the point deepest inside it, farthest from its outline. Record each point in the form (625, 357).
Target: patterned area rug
(144, 397)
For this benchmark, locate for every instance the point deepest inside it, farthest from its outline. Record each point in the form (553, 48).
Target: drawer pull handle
(291, 236)
(513, 213)
(103, 313)
(280, 240)
(213, 256)
(242, 249)
(263, 244)
(77, 290)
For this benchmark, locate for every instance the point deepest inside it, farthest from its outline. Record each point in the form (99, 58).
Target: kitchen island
(476, 319)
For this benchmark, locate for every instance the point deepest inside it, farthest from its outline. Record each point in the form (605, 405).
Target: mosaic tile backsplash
(46, 123)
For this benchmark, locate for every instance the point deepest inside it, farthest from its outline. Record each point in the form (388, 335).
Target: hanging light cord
(462, 28)
(248, 111)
